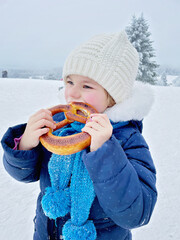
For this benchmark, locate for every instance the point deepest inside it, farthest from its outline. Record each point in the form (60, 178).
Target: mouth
(74, 101)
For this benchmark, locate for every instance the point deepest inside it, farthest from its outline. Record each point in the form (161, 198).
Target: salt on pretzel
(69, 144)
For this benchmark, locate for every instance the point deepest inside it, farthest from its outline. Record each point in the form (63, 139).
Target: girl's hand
(38, 124)
(100, 129)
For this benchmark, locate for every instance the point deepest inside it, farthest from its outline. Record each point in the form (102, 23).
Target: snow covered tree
(164, 79)
(139, 36)
(176, 82)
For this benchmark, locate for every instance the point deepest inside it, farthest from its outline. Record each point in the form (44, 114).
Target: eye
(69, 82)
(86, 86)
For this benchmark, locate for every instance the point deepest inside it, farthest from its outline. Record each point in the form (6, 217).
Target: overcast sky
(41, 33)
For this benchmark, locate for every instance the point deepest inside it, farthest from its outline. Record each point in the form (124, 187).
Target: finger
(100, 120)
(101, 115)
(42, 110)
(96, 126)
(42, 114)
(89, 130)
(43, 123)
(106, 119)
(42, 131)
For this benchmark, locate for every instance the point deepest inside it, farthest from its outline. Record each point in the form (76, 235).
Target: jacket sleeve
(22, 165)
(124, 180)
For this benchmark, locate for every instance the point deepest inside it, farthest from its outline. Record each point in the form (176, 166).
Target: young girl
(109, 188)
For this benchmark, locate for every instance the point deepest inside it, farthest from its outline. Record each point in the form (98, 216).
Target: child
(109, 188)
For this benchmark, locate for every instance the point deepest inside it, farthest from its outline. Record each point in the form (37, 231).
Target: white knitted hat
(109, 59)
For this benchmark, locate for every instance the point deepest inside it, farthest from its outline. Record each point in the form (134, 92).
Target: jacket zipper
(55, 232)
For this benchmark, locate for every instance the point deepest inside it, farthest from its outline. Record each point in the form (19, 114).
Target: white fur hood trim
(135, 107)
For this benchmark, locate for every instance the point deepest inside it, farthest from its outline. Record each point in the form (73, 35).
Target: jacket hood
(135, 107)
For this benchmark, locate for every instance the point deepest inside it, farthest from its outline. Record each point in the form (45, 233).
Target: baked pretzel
(69, 144)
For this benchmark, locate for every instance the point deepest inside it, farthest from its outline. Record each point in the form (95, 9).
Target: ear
(111, 101)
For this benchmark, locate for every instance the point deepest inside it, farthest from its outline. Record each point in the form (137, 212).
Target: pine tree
(139, 36)
(164, 79)
(176, 82)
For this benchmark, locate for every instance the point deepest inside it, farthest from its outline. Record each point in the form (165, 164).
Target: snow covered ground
(20, 98)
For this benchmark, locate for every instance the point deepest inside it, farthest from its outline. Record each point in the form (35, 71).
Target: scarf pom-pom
(84, 232)
(56, 203)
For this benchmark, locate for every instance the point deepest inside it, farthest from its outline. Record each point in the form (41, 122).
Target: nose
(74, 93)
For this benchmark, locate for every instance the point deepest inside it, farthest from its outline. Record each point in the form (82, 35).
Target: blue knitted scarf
(60, 199)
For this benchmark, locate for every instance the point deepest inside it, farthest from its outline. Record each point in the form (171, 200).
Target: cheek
(96, 100)
(91, 99)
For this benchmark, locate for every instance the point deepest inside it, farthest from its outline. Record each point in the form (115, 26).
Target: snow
(170, 79)
(20, 98)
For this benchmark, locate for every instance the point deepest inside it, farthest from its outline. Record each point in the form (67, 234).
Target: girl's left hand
(100, 129)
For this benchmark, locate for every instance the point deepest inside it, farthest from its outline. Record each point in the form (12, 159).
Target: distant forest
(49, 74)
(56, 73)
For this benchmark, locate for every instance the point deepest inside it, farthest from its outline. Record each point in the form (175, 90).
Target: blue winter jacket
(122, 172)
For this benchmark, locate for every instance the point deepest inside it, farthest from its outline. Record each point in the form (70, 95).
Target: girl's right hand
(38, 124)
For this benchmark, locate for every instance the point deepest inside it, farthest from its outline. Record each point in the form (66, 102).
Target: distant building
(4, 74)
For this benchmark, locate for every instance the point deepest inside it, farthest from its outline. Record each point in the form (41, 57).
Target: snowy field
(20, 98)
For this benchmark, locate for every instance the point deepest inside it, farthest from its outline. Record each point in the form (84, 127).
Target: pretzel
(69, 144)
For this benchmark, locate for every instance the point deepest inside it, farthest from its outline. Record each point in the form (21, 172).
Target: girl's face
(83, 89)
